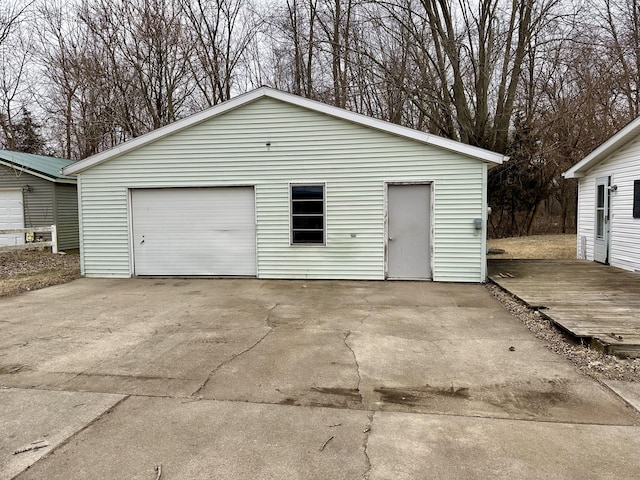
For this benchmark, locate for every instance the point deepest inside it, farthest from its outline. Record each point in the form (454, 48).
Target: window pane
(307, 191)
(308, 206)
(307, 214)
(599, 223)
(306, 223)
(636, 199)
(308, 237)
(600, 200)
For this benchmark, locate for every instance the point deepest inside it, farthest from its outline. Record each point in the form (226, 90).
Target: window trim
(601, 210)
(324, 214)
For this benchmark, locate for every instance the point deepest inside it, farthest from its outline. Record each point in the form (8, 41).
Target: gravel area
(26, 270)
(588, 360)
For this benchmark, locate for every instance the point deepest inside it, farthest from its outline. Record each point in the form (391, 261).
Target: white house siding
(623, 167)
(305, 146)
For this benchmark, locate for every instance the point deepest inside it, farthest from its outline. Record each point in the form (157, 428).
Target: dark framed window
(636, 199)
(307, 214)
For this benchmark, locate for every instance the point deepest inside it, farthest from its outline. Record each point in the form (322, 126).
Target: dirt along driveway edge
(588, 360)
(27, 270)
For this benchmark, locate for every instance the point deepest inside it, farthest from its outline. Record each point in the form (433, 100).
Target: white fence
(34, 244)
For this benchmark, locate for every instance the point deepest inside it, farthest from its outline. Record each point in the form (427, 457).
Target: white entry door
(194, 231)
(602, 224)
(409, 232)
(11, 216)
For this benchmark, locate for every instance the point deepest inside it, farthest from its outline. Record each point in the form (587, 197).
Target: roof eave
(67, 180)
(505, 158)
(423, 137)
(44, 176)
(569, 175)
(615, 142)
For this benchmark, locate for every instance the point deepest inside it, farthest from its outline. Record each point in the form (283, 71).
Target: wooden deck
(593, 302)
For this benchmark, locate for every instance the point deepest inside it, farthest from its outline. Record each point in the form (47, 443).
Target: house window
(307, 214)
(636, 199)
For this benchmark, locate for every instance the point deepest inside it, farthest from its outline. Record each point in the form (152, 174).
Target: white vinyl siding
(271, 144)
(623, 167)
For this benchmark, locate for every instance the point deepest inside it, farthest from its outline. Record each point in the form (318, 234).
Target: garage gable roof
(47, 168)
(616, 142)
(262, 92)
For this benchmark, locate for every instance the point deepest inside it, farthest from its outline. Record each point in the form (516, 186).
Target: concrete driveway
(226, 379)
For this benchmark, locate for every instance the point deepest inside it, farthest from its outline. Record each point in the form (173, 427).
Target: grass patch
(535, 247)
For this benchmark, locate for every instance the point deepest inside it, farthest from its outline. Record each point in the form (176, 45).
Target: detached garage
(272, 185)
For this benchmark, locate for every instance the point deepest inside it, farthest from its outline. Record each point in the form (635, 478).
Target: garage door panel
(11, 216)
(194, 231)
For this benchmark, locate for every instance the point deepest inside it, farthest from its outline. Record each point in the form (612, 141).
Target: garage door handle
(142, 241)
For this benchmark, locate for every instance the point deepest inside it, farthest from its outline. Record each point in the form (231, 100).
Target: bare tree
(291, 32)
(11, 14)
(150, 41)
(119, 68)
(81, 97)
(15, 53)
(565, 108)
(221, 32)
(336, 20)
(620, 36)
(471, 55)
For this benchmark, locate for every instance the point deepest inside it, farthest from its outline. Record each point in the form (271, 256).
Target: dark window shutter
(636, 199)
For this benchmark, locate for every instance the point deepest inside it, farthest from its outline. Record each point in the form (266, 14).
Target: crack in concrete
(124, 376)
(367, 432)
(229, 360)
(271, 326)
(268, 319)
(367, 316)
(355, 359)
(437, 346)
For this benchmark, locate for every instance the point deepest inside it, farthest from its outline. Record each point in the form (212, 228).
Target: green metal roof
(47, 166)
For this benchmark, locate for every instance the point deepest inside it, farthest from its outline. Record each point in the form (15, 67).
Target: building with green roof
(35, 193)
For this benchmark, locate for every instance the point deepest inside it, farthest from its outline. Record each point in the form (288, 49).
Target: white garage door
(11, 216)
(194, 231)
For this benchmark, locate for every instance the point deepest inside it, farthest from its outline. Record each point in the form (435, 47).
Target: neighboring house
(272, 185)
(609, 200)
(34, 193)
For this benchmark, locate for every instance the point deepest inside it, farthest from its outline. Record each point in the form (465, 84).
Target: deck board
(588, 300)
